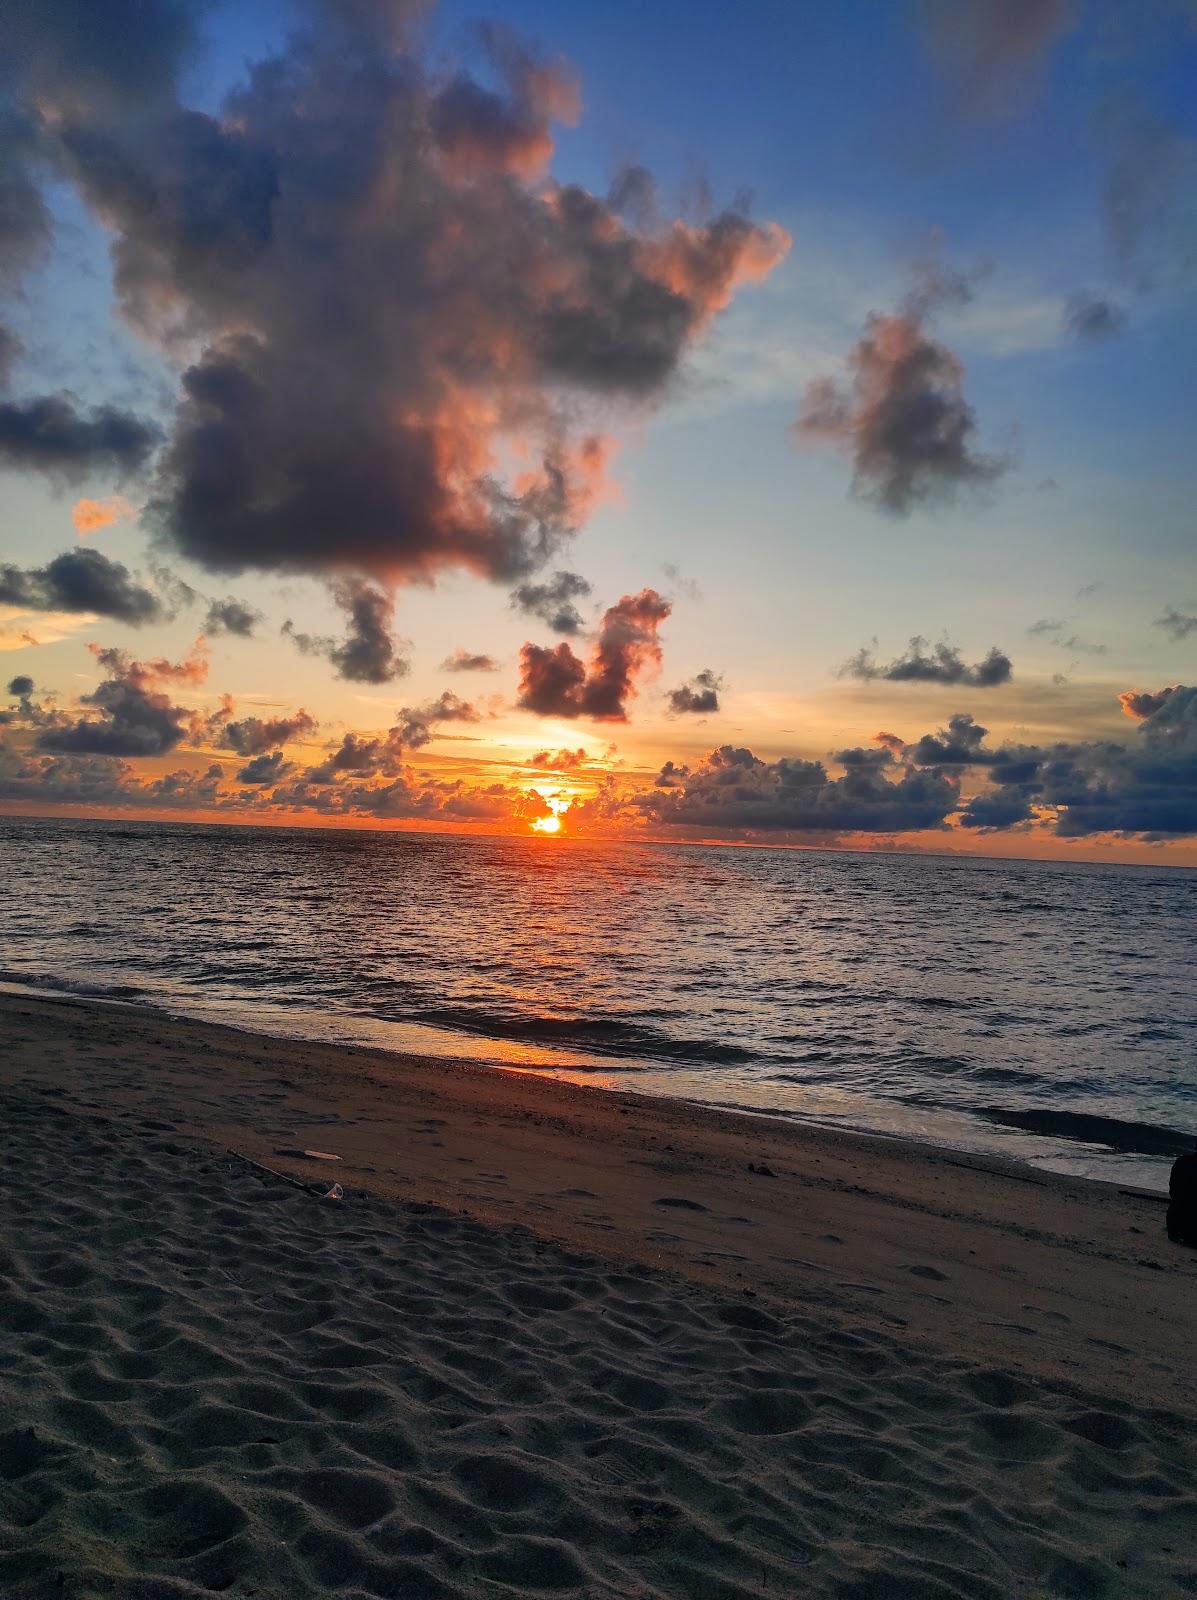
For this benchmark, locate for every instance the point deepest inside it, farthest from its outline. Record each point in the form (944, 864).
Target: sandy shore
(555, 1341)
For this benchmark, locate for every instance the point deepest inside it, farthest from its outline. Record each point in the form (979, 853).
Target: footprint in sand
(678, 1203)
(920, 1271)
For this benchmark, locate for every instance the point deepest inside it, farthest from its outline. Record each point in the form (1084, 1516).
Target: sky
(767, 424)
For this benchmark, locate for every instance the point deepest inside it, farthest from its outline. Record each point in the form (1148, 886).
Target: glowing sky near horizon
(898, 343)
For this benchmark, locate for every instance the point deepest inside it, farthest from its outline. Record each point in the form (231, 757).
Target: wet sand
(555, 1340)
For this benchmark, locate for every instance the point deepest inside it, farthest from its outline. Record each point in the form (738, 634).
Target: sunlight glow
(552, 823)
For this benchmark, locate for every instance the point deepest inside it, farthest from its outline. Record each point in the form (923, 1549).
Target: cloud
(81, 581)
(368, 653)
(944, 664)
(49, 434)
(414, 724)
(1089, 317)
(1177, 624)
(265, 770)
(136, 716)
(1052, 629)
(993, 47)
(89, 516)
(467, 661)
(253, 736)
(559, 760)
(361, 757)
(902, 417)
(1146, 788)
(556, 683)
(386, 294)
(231, 616)
(553, 601)
(1150, 200)
(699, 697)
(960, 744)
(734, 789)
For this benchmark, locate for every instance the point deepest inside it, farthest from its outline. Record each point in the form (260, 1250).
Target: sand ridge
(216, 1383)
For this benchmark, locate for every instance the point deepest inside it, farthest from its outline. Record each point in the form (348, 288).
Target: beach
(555, 1340)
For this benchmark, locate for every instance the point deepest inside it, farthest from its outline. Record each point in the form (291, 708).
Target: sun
(552, 822)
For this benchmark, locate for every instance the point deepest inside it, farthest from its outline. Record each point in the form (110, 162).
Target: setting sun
(557, 805)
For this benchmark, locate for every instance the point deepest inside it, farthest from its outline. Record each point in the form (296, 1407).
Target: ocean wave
(606, 1034)
(1127, 1138)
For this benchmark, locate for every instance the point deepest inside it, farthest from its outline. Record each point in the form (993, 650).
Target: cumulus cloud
(558, 760)
(1177, 624)
(468, 661)
(81, 581)
(266, 769)
(231, 616)
(699, 697)
(902, 416)
(734, 789)
(553, 601)
(135, 716)
(1089, 317)
(51, 435)
(89, 516)
(386, 292)
(554, 682)
(943, 663)
(359, 756)
(254, 736)
(368, 653)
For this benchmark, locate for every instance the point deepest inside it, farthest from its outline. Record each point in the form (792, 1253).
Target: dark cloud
(360, 757)
(734, 789)
(993, 47)
(135, 714)
(231, 616)
(1178, 624)
(902, 417)
(368, 653)
(556, 683)
(254, 736)
(699, 697)
(68, 54)
(28, 711)
(1147, 787)
(414, 724)
(553, 601)
(960, 744)
(81, 580)
(356, 757)
(942, 664)
(51, 434)
(467, 661)
(384, 291)
(265, 770)
(25, 228)
(1141, 704)
(1091, 317)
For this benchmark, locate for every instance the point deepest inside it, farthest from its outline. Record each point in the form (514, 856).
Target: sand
(554, 1341)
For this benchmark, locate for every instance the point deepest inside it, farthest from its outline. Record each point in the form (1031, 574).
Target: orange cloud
(89, 516)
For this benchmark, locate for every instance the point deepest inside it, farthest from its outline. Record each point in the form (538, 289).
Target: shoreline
(960, 1131)
(1062, 1278)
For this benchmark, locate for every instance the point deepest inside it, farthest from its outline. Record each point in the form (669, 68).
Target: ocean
(1043, 1011)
